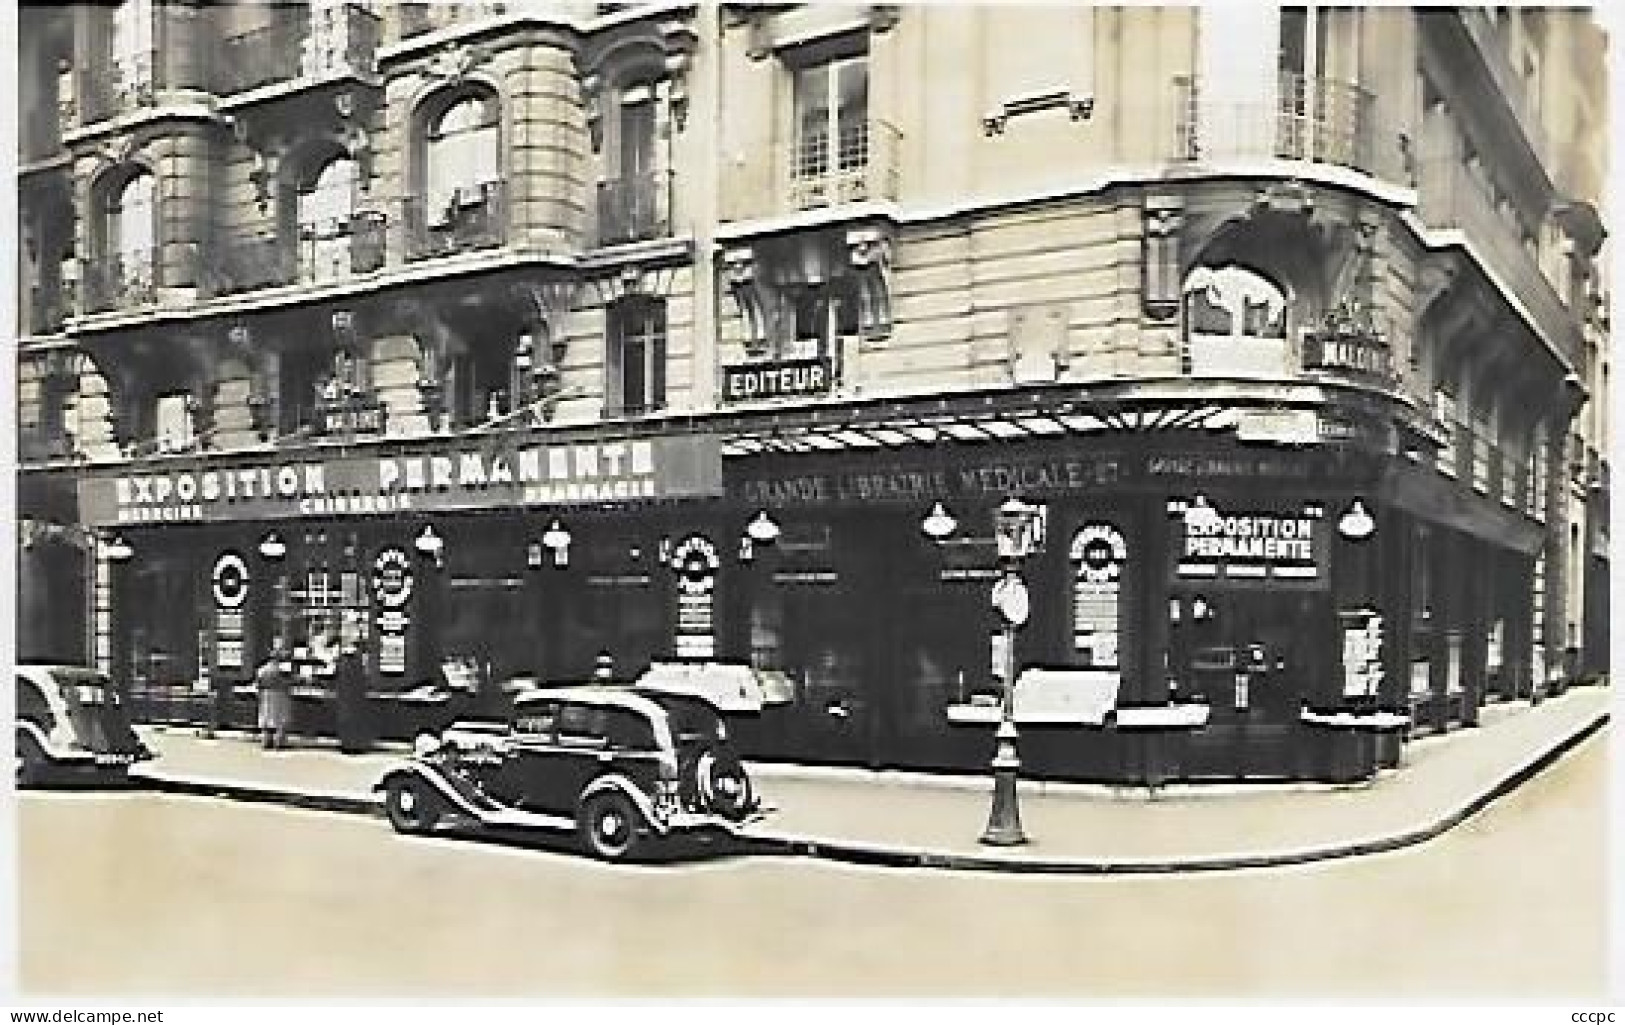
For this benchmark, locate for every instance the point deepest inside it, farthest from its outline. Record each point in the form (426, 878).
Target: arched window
(129, 242)
(632, 201)
(132, 212)
(1235, 323)
(324, 209)
(461, 157)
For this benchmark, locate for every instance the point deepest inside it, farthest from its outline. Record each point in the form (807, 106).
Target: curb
(343, 804)
(872, 854)
(904, 857)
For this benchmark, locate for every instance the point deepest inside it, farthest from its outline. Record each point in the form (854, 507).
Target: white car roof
(587, 694)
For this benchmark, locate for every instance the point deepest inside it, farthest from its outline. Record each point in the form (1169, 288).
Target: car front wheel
(31, 760)
(609, 825)
(412, 808)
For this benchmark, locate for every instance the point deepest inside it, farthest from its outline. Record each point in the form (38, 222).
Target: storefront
(1306, 598)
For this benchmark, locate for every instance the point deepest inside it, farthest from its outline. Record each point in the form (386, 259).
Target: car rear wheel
(724, 786)
(608, 824)
(411, 806)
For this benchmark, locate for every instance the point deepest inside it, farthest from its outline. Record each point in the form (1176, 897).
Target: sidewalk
(920, 819)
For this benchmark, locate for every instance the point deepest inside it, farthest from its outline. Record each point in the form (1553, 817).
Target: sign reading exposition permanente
(1252, 545)
(461, 477)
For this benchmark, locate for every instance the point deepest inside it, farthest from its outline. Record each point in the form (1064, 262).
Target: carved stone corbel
(869, 251)
(262, 400)
(1164, 217)
(544, 305)
(750, 294)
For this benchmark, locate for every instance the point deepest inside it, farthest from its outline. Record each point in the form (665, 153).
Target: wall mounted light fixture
(938, 524)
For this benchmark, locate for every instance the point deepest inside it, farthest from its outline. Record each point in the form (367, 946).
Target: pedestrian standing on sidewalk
(276, 699)
(350, 698)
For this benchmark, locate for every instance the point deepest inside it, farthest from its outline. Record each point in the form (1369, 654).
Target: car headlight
(425, 744)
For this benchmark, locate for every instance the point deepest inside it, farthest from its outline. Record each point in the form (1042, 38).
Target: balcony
(41, 134)
(124, 86)
(121, 281)
(634, 209)
(1313, 119)
(474, 217)
(335, 253)
(45, 311)
(249, 264)
(859, 167)
(1450, 197)
(312, 44)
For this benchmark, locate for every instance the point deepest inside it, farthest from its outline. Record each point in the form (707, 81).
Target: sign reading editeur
(746, 382)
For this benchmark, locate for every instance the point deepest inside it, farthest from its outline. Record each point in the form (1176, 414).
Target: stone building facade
(478, 334)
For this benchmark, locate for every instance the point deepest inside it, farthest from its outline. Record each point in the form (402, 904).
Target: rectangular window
(637, 357)
(1483, 442)
(831, 120)
(821, 315)
(173, 422)
(1444, 416)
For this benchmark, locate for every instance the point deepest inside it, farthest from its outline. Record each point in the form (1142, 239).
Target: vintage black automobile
(73, 726)
(620, 765)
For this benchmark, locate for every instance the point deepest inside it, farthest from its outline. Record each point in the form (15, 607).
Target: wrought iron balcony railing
(41, 134)
(472, 217)
(1313, 119)
(634, 208)
(335, 252)
(302, 43)
(45, 311)
(858, 166)
(121, 281)
(1449, 196)
(249, 264)
(260, 57)
(124, 85)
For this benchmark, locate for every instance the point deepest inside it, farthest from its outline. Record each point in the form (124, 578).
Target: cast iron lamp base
(1004, 821)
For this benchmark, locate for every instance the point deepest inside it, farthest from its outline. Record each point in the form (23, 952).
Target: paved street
(137, 893)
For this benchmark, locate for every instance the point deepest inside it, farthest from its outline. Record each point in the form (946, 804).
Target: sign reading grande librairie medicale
(464, 477)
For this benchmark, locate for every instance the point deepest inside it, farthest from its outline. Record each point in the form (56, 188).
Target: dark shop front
(1201, 607)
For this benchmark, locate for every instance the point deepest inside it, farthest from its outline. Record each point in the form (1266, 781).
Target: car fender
(51, 748)
(614, 781)
(437, 780)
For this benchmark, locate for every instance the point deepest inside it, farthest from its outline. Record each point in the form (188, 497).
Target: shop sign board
(229, 582)
(465, 476)
(777, 379)
(824, 481)
(1251, 546)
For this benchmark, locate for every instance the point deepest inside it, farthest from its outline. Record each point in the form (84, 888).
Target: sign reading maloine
(462, 478)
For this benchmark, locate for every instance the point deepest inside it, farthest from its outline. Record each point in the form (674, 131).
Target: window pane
(637, 137)
(136, 206)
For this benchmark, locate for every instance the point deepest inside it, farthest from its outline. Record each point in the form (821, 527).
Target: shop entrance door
(1251, 656)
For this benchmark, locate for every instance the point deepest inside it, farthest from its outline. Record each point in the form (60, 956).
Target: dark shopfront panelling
(1125, 482)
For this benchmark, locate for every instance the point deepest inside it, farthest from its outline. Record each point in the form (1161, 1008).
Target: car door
(583, 752)
(528, 775)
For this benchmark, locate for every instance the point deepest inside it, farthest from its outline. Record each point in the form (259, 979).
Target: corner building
(482, 332)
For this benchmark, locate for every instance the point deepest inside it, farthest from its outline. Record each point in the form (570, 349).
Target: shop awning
(856, 433)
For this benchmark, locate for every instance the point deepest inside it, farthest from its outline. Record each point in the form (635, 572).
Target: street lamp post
(1018, 527)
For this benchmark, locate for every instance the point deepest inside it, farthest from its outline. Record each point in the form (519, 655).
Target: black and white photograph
(749, 502)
